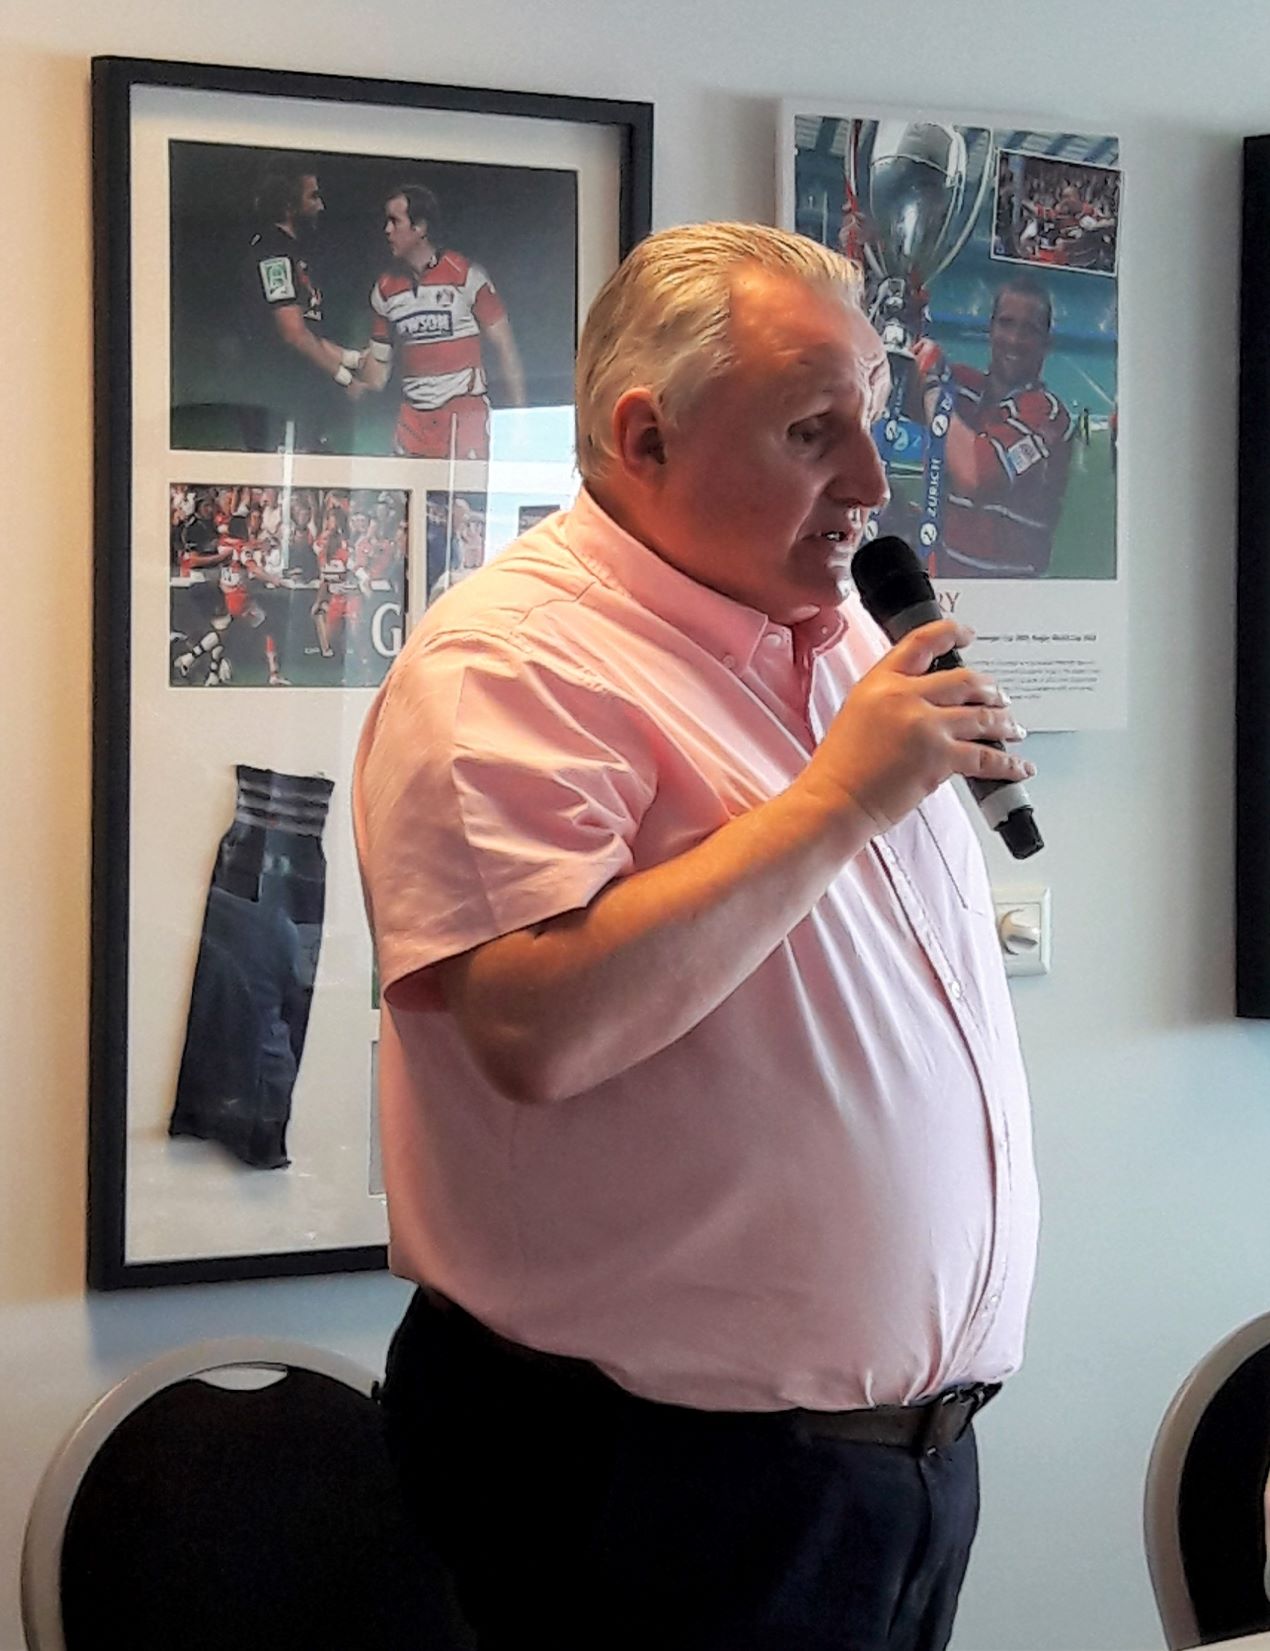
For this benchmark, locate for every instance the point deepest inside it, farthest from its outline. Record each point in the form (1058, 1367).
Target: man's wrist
(830, 814)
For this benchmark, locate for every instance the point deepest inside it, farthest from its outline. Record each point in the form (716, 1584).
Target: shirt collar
(727, 629)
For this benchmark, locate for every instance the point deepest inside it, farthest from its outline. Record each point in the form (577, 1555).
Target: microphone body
(898, 596)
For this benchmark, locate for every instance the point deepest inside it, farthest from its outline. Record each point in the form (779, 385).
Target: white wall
(1152, 1104)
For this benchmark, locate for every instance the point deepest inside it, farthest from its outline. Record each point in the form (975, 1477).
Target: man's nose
(861, 478)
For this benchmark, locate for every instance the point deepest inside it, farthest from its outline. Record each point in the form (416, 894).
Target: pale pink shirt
(823, 1194)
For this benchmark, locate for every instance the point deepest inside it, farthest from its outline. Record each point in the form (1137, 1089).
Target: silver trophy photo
(915, 189)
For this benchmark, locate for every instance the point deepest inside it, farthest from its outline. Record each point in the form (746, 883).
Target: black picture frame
(1252, 657)
(121, 456)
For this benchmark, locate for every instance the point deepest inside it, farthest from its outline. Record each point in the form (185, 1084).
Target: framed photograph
(1252, 658)
(336, 325)
(990, 256)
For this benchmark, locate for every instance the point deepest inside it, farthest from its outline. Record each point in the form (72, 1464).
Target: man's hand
(929, 358)
(901, 732)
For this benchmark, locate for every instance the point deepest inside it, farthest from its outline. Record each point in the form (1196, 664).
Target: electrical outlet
(1023, 928)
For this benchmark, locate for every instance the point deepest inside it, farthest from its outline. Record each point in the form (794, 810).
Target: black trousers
(576, 1516)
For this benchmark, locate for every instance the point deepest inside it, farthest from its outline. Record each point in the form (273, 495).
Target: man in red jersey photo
(1008, 444)
(434, 310)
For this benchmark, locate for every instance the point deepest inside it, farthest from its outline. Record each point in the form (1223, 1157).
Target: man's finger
(963, 687)
(985, 762)
(982, 722)
(918, 651)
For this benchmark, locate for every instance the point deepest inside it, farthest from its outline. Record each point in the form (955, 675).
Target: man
(705, 1126)
(301, 373)
(337, 607)
(465, 545)
(1008, 444)
(389, 508)
(1087, 230)
(241, 560)
(373, 538)
(271, 513)
(266, 570)
(299, 552)
(379, 564)
(437, 309)
(203, 555)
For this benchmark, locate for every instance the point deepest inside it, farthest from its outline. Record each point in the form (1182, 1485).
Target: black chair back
(188, 1513)
(1221, 1521)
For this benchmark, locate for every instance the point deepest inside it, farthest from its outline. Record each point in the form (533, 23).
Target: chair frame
(1164, 1477)
(41, 1587)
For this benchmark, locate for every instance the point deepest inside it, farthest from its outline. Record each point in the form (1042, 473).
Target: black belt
(923, 1428)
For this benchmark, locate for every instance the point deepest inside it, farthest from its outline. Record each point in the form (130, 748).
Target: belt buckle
(927, 1443)
(973, 1397)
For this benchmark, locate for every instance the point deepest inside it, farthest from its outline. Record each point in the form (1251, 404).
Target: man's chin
(797, 612)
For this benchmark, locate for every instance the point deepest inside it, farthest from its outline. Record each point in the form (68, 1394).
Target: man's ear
(638, 434)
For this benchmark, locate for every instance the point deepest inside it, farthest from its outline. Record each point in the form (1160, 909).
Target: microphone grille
(889, 577)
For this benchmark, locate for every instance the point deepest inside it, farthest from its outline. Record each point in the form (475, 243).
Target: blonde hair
(661, 319)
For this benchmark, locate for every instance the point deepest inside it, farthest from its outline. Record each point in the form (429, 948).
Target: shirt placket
(970, 1028)
(963, 1011)
(784, 687)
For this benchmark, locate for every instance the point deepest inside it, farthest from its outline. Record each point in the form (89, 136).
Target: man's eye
(807, 432)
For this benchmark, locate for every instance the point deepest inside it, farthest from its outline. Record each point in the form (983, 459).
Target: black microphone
(897, 594)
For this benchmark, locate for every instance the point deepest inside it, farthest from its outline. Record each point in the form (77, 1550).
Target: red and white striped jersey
(234, 570)
(434, 322)
(375, 556)
(334, 564)
(1000, 521)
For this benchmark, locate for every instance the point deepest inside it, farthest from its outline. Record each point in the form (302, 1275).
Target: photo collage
(359, 308)
(989, 262)
(369, 396)
(989, 259)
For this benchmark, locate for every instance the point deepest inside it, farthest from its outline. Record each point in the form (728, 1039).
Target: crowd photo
(272, 587)
(1055, 212)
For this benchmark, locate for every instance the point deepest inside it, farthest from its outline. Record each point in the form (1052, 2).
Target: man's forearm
(513, 373)
(324, 355)
(552, 1011)
(327, 357)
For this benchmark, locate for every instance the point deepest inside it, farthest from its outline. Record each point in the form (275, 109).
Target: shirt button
(730, 661)
(954, 990)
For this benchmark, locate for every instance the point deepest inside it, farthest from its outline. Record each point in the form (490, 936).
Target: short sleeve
(277, 280)
(487, 306)
(380, 328)
(495, 788)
